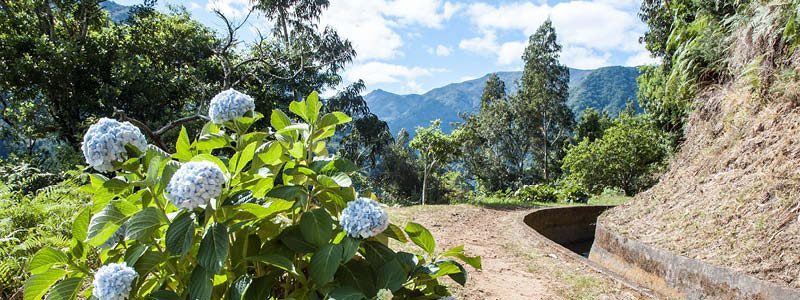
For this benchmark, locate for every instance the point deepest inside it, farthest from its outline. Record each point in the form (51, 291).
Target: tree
(625, 157)
(592, 125)
(489, 143)
(63, 63)
(435, 149)
(542, 98)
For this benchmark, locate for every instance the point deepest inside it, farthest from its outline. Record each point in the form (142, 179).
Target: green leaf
(166, 175)
(421, 236)
(377, 254)
(316, 226)
(299, 109)
(213, 159)
(38, 284)
(182, 146)
(333, 118)
(46, 258)
(239, 287)
(80, 226)
(272, 207)
(240, 159)
(324, 263)
(408, 260)
(104, 224)
(394, 232)
(345, 293)
(461, 276)
(148, 261)
(293, 239)
(276, 260)
(67, 289)
(358, 275)
(180, 234)
(264, 284)
(212, 141)
(268, 154)
(391, 276)
(201, 284)
(239, 197)
(141, 225)
(313, 106)
(164, 295)
(458, 252)
(279, 120)
(214, 248)
(338, 180)
(349, 248)
(132, 255)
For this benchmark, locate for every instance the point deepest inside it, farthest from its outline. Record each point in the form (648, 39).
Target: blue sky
(412, 46)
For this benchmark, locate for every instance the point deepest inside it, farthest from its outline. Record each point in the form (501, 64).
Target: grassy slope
(731, 194)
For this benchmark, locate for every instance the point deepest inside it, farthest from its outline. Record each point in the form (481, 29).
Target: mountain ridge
(446, 102)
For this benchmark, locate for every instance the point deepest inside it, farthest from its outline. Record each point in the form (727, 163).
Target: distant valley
(608, 88)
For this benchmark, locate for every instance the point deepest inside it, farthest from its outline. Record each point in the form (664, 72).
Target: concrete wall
(565, 225)
(677, 277)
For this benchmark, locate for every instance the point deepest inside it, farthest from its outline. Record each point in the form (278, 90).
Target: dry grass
(732, 194)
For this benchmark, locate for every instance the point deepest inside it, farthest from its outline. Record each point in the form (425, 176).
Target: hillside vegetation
(730, 195)
(608, 88)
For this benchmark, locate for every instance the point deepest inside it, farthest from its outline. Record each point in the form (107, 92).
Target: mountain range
(607, 88)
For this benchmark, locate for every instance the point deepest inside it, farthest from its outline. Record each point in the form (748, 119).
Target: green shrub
(571, 192)
(276, 230)
(537, 193)
(30, 222)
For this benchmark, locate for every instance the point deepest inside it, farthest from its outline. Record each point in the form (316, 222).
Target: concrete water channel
(653, 272)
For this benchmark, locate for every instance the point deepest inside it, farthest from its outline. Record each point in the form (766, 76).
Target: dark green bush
(537, 193)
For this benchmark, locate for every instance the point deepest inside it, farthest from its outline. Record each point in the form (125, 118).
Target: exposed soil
(515, 265)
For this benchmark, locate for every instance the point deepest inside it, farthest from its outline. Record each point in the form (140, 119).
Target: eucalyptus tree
(544, 88)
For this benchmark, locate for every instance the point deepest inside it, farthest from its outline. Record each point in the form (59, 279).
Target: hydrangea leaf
(141, 225)
(201, 284)
(394, 232)
(349, 247)
(421, 236)
(299, 109)
(180, 234)
(182, 146)
(239, 287)
(313, 106)
(276, 260)
(46, 258)
(345, 293)
(333, 118)
(391, 276)
(358, 275)
(212, 141)
(67, 289)
(164, 295)
(316, 226)
(38, 284)
(80, 225)
(324, 263)
(279, 119)
(458, 252)
(105, 223)
(377, 254)
(293, 239)
(214, 248)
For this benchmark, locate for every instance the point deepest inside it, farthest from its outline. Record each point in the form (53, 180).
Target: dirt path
(515, 266)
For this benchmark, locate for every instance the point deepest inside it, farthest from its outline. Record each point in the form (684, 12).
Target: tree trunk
(424, 184)
(545, 156)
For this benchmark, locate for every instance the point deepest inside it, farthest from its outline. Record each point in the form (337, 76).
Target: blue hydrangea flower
(113, 282)
(363, 218)
(112, 241)
(105, 141)
(194, 184)
(228, 105)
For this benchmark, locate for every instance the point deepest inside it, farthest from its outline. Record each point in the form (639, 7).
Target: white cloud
(441, 50)
(642, 58)
(583, 58)
(230, 8)
(193, 5)
(584, 29)
(378, 72)
(372, 26)
(414, 88)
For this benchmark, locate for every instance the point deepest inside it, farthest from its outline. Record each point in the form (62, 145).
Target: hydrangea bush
(237, 214)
